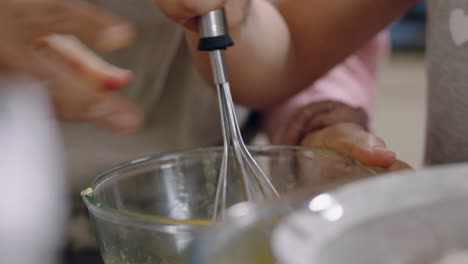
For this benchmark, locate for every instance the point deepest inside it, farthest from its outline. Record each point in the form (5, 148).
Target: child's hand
(334, 125)
(352, 140)
(185, 12)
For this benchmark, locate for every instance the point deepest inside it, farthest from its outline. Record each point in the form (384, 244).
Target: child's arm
(284, 45)
(340, 103)
(352, 83)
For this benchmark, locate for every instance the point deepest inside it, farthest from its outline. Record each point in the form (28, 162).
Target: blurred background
(401, 103)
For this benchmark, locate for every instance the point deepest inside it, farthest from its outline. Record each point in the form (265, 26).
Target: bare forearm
(261, 48)
(323, 33)
(284, 46)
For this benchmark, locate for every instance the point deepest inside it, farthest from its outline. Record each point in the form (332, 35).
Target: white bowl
(416, 217)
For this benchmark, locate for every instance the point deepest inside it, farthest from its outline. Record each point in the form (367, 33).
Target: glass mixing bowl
(418, 217)
(149, 210)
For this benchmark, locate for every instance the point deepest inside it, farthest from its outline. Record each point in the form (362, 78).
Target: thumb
(352, 140)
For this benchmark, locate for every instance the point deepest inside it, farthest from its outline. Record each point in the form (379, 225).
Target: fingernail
(113, 84)
(384, 151)
(380, 148)
(115, 37)
(123, 120)
(99, 110)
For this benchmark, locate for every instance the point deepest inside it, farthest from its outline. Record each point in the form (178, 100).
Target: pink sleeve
(353, 82)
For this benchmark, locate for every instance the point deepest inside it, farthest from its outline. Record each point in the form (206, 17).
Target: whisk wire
(238, 143)
(261, 178)
(221, 188)
(254, 182)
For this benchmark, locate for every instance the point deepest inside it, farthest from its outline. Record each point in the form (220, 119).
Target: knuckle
(191, 7)
(197, 7)
(188, 7)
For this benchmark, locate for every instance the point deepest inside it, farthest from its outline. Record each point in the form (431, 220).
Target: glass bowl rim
(109, 213)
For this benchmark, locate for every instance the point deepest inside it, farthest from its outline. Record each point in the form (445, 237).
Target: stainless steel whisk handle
(214, 38)
(213, 31)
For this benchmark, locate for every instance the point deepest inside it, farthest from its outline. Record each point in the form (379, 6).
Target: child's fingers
(352, 140)
(399, 166)
(295, 128)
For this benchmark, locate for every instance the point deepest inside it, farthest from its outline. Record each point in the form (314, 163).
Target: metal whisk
(255, 184)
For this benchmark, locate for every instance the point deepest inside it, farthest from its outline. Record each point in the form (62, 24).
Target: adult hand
(37, 40)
